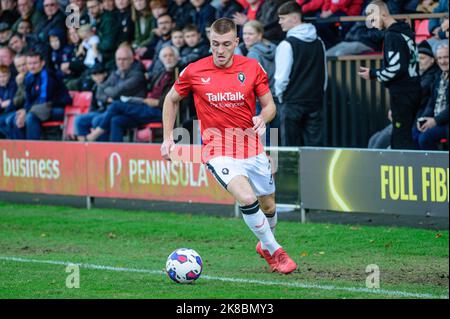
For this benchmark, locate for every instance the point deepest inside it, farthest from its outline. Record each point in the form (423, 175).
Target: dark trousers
(429, 139)
(32, 129)
(404, 107)
(85, 122)
(120, 117)
(301, 125)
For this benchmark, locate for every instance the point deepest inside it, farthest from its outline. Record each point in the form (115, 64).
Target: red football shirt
(225, 100)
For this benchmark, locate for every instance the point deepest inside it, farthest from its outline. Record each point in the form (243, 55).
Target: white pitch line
(392, 293)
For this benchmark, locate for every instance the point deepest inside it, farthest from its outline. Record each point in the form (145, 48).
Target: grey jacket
(129, 83)
(264, 53)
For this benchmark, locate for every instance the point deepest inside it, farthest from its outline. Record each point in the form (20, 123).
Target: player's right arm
(170, 109)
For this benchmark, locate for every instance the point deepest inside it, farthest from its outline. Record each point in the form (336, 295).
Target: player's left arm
(268, 112)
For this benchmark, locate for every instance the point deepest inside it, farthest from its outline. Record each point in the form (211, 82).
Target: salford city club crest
(241, 77)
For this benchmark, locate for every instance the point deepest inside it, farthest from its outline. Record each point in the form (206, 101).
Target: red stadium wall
(129, 171)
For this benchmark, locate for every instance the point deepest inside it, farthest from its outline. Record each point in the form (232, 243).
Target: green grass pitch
(36, 242)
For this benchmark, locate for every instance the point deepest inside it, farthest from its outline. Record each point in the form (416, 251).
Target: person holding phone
(432, 125)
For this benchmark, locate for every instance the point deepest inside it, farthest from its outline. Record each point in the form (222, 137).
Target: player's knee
(268, 207)
(247, 200)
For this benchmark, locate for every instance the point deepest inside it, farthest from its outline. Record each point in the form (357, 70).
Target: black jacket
(400, 71)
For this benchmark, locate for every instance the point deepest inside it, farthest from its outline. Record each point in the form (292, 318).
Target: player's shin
(259, 225)
(272, 219)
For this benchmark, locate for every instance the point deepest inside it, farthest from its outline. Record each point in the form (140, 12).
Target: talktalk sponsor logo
(26, 167)
(159, 172)
(225, 97)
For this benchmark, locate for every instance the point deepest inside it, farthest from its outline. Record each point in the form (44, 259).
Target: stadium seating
(421, 28)
(146, 133)
(80, 105)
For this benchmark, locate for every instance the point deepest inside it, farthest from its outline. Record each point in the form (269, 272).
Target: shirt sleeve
(183, 84)
(262, 81)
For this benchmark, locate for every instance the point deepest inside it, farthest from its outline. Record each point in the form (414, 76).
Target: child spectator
(177, 39)
(60, 51)
(84, 122)
(195, 48)
(89, 45)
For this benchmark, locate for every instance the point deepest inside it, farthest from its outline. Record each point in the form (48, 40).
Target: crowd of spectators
(129, 53)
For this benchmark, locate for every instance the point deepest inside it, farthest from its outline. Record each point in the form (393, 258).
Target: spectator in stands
(89, 46)
(180, 10)
(359, 39)
(300, 79)
(143, 23)
(201, 14)
(8, 13)
(165, 27)
(55, 18)
(17, 43)
(8, 88)
(20, 63)
(159, 8)
(5, 33)
(107, 29)
(177, 39)
(74, 70)
(382, 139)
(83, 12)
(256, 47)
(126, 33)
(195, 49)
(332, 33)
(24, 28)
(311, 8)
(29, 13)
(127, 81)
(108, 5)
(7, 123)
(131, 113)
(85, 122)
(227, 9)
(60, 52)
(434, 25)
(432, 125)
(428, 70)
(400, 72)
(6, 59)
(265, 11)
(427, 6)
(45, 99)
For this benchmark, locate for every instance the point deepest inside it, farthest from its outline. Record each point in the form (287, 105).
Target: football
(184, 265)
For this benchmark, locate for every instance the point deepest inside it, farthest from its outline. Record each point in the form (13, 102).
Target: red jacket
(311, 6)
(349, 7)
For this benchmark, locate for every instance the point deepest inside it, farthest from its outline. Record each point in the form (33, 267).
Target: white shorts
(257, 169)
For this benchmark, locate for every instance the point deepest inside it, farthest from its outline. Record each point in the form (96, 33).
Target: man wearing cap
(428, 70)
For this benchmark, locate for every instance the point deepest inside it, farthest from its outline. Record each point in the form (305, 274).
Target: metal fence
(354, 108)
